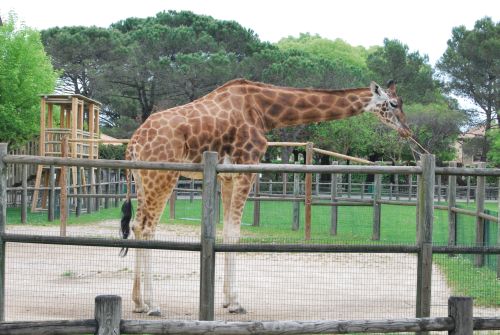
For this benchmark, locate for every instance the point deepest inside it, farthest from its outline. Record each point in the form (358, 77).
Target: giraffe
(232, 120)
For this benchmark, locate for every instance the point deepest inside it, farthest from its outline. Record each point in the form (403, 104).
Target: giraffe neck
(283, 106)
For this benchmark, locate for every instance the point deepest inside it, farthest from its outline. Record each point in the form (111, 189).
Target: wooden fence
(208, 247)
(108, 321)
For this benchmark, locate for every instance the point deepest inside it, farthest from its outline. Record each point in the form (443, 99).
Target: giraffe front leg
(227, 190)
(153, 308)
(140, 307)
(240, 189)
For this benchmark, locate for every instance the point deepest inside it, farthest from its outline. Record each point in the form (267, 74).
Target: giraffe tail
(126, 217)
(125, 223)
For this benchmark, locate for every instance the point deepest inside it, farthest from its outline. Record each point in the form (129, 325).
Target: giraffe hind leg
(153, 190)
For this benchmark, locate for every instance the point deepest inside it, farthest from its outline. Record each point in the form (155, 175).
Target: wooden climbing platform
(66, 115)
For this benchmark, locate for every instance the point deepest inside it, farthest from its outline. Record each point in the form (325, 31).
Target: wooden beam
(341, 156)
(286, 144)
(424, 235)
(42, 127)
(91, 130)
(74, 126)
(208, 224)
(480, 196)
(64, 191)
(3, 223)
(452, 199)
(308, 192)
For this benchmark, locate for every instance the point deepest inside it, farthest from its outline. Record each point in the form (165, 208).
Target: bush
(110, 151)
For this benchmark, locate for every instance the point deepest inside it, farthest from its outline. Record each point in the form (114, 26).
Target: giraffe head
(388, 107)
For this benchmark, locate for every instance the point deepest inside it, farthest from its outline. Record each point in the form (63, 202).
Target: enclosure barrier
(108, 321)
(208, 248)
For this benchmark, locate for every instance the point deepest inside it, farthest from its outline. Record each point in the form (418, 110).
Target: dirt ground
(60, 282)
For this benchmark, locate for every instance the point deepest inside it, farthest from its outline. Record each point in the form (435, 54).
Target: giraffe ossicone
(232, 120)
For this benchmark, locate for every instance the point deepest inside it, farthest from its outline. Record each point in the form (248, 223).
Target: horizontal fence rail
(108, 321)
(240, 168)
(455, 171)
(102, 163)
(242, 247)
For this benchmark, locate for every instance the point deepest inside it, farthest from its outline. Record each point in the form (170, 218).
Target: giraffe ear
(391, 85)
(375, 88)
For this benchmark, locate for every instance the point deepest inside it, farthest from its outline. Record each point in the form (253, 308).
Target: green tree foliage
(25, 73)
(337, 50)
(175, 57)
(110, 151)
(494, 153)
(436, 127)
(410, 70)
(348, 136)
(470, 67)
(79, 53)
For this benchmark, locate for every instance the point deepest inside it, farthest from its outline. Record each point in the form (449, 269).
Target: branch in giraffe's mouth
(419, 146)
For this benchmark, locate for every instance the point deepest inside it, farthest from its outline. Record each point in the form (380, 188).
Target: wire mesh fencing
(61, 282)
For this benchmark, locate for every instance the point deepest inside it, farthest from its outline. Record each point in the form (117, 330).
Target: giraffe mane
(243, 81)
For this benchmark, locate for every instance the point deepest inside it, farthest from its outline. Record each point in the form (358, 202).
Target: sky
(423, 25)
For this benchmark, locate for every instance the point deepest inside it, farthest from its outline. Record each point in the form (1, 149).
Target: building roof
(66, 98)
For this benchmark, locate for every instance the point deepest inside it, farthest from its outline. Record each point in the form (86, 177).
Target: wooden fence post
(24, 194)
(410, 187)
(460, 309)
(171, 202)
(316, 186)
(439, 186)
(63, 207)
(498, 229)
(424, 235)
(349, 185)
(191, 194)
(207, 258)
(417, 205)
(308, 192)
(377, 207)
(90, 180)
(3, 222)
(218, 203)
(480, 193)
(468, 190)
(335, 209)
(118, 186)
(107, 174)
(452, 216)
(52, 194)
(256, 202)
(296, 205)
(98, 188)
(396, 185)
(108, 314)
(285, 180)
(79, 201)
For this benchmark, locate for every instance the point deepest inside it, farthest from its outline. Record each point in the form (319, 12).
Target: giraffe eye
(393, 104)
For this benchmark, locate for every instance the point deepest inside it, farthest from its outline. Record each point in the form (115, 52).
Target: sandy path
(60, 282)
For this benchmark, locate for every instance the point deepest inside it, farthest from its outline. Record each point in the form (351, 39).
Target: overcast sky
(424, 25)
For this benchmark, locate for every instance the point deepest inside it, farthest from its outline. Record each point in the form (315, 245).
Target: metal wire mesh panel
(61, 282)
(465, 279)
(292, 286)
(466, 235)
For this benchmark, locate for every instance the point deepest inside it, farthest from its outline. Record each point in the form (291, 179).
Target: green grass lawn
(398, 226)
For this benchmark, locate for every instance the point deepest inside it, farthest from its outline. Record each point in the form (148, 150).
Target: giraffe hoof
(154, 312)
(237, 309)
(142, 309)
